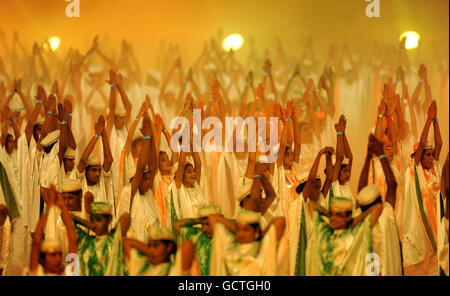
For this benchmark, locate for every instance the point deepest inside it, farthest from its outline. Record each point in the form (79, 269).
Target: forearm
(364, 177)
(71, 233)
(86, 153)
(347, 150)
(391, 192)
(437, 140)
(106, 153)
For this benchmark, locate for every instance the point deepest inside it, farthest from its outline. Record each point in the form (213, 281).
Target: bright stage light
(412, 39)
(233, 42)
(54, 42)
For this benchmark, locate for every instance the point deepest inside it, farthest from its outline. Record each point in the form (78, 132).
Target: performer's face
(288, 158)
(146, 183)
(36, 131)
(93, 174)
(344, 175)
(390, 151)
(159, 252)
(427, 159)
(189, 176)
(165, 166)
(137, 147)
(245, 233)
(315, 189)
(10, 145)
(101, 223)
(339, 220)
(68, 164)
(206, 228)
(52, 262)
(119, 122)
(72, 201)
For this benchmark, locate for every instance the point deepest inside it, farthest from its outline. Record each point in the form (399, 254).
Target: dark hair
(300, 187)
(78, 192)
(366, 207)
(174, 246)
(48, 149)
(257, 228)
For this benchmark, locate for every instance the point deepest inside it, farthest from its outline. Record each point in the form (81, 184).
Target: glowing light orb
(234, 42)
(412, 39)
(54, 42)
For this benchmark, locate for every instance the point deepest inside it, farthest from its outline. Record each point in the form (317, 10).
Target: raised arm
(329, 171)
(432, 112)
(340, 147)
(108, 158)
(364, 177)
(297, 139)
(270, 195)
(132, 129)
(437, 134)
(63, 138)
(112, 102)
(143, 158)
(37, 237)
(99, 128)
(286, 117)
(376, 147)
(125, 101)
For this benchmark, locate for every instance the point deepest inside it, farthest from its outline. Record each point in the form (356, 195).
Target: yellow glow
(54, 42)
(234, 41)
(412, 39)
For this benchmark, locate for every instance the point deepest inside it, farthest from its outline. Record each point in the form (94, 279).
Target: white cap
(368, 194)
(70, 153)
(248, 217)
(92, 160)
(344, 160)
(50, 138)
(160, 233)
(206, 211)
(50, 246)
(341, 204)
(71, 185)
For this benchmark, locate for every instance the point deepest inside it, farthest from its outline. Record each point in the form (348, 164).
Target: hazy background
(190, 23)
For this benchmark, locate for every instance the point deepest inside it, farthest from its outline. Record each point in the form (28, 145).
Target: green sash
(8, 193)
(330, 197)
(300, 262)
(422, 212)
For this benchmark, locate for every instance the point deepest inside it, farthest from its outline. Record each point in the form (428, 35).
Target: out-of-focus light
(54, 42)
(234, 42)
(412, 39)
